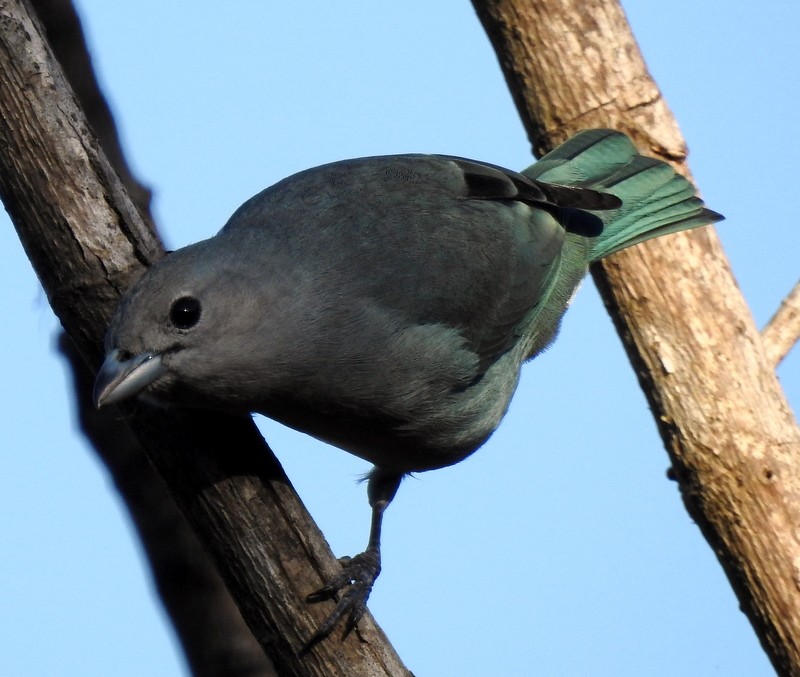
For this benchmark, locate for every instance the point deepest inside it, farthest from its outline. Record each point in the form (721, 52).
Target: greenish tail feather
(655, 200)
(585, 159)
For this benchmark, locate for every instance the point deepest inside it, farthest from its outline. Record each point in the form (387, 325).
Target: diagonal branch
(731, 437)
(87, 241)
(783, 329)
(211, 630)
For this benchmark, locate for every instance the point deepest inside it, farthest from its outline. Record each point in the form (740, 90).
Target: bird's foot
(355, 582)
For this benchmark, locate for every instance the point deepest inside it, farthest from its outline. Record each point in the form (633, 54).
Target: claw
(358, 573)
(355, 580)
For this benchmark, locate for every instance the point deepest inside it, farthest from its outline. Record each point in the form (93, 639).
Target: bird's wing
(536, 260)
(441, 240)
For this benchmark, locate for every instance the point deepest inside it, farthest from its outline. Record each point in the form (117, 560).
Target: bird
(385, 305)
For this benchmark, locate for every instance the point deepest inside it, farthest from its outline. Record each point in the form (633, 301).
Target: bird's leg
(360, 572)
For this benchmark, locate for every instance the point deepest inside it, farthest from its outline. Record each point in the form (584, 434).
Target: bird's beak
(119, 379)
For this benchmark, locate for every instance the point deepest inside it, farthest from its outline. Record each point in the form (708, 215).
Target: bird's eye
(185, 312)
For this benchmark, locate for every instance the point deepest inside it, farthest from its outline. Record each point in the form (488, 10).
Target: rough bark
(64, 33)
(732, 440)
(87, 241)
(214, 637)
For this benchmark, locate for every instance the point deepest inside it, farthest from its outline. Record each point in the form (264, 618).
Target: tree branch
(783, 330)
(731, 437)
(87, 241)
(215, 639)
(65, 35)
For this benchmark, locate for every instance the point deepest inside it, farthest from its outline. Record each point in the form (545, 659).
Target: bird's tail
(655, 200)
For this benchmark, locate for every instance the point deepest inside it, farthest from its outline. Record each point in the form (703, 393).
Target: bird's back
(386, 304)
(409, 233)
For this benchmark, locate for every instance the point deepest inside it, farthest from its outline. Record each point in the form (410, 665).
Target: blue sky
(560, 548)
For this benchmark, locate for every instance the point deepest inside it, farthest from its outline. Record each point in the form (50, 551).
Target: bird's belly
(388, 443)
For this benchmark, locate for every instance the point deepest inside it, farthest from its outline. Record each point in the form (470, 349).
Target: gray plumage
(385, 305)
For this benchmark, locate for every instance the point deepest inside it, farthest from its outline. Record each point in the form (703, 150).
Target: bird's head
(186, 331)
